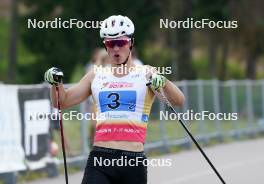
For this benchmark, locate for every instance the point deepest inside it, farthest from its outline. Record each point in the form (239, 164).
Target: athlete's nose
(116, 48)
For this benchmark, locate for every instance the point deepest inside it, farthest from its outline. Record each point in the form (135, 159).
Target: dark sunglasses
(119, 43)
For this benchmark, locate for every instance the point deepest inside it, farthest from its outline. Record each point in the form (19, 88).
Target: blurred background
(218, 70)
(25, 54)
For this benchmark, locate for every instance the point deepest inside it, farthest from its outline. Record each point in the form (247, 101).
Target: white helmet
(116, 26)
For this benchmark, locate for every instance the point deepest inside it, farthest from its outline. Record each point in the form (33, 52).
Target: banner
(34, 107)
(11, 151)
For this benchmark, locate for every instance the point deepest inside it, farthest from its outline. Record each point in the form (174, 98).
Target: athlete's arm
(75, 94)
(171, 91)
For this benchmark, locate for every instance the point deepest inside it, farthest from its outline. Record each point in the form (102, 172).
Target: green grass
(72, 137)
(174, 130)
(30, 176)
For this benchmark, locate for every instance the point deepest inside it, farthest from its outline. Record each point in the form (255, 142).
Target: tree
(179, 40)
(215, 11)
(250, 34)
(13, 43)
(184, 41)
(65, 48)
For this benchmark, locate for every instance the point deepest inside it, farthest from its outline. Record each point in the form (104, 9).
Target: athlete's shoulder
(96, 71)
(89, 76)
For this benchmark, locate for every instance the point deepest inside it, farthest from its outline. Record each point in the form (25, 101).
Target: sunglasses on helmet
(118, 42)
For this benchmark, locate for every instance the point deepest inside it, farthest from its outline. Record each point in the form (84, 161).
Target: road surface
(237, 162)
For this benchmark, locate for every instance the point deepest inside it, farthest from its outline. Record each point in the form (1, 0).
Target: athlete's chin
(117, 61)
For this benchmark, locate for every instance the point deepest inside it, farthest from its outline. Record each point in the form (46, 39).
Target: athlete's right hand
(53, 76)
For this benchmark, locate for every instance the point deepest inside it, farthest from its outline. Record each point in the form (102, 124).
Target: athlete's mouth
(116, 55)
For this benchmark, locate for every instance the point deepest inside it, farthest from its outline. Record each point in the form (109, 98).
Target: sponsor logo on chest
(118, 84)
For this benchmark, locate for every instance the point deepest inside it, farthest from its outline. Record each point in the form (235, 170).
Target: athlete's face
(118, 49)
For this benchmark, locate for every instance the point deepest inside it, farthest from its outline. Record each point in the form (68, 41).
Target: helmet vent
(113, 34)
(113, 23)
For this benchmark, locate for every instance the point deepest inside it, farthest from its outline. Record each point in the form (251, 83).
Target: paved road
(239, 163)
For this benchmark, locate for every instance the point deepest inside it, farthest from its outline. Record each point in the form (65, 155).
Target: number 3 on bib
(117, 101)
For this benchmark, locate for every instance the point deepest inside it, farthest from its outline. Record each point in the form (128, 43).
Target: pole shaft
(200, 149)
(163, 98)
(62, 136)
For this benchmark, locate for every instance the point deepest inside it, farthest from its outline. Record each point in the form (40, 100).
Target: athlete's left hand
(158, 81)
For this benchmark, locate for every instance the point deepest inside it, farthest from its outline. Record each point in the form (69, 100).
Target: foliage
(3, 48)
(66, 48)
(71, 49)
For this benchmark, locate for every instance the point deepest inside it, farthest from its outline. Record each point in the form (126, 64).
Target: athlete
(124, 103)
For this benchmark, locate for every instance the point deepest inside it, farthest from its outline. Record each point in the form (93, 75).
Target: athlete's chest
(119, 94)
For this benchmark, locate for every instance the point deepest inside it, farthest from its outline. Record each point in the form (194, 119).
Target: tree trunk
(251, 66)
(224, 48)
(13, 43)
(184, 44)
(174, 63)
(172, 40)
(212, 55)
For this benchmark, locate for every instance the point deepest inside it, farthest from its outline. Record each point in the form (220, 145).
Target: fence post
(200, 99)
(261, 121)
(262, 84)
(233, 92)
(163, 129)
(217, 108)
(185, 108)
(249, 108)
(84, 132)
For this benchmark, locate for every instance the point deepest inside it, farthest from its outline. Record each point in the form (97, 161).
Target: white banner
(11, 151)
(36, 123)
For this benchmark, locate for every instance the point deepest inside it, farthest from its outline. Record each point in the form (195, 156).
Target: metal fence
(244, 97)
